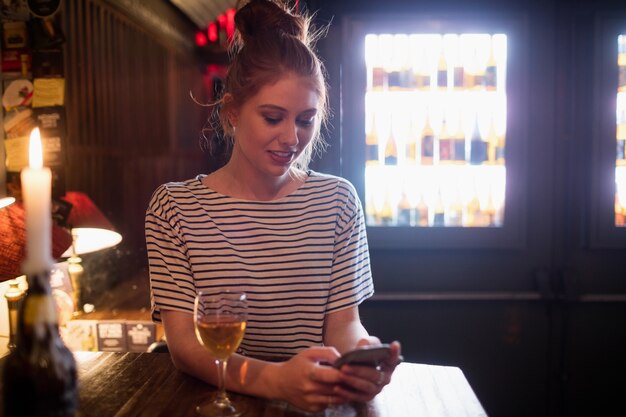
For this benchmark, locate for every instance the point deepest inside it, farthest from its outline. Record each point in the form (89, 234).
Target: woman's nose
(289, 136)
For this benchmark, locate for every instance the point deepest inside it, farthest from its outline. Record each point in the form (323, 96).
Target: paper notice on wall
(140, 335)
(112, 336)
(16, 150)
(80, 335)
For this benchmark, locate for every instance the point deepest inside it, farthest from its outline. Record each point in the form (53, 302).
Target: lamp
(12, 254)
(91, 231)
(6, 201)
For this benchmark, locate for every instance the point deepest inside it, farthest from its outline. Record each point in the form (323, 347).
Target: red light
(212, 32)
(221, 19)
(201, 39)
(230, 22)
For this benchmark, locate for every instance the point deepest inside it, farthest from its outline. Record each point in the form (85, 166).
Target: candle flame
(35, 152)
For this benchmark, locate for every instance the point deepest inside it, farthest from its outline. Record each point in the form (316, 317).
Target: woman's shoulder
(175, 190)
(332, 182)
(317, 178)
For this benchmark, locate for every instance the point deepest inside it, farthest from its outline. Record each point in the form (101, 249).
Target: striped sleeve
(351, 277)
(171, 280)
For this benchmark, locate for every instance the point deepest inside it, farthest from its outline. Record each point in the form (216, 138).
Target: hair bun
(260, 17)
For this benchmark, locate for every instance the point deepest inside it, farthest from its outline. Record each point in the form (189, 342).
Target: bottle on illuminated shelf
(492, 144)
(620, 212)
(391, 148)
(454, 213)
(479, 71)
(458, 146)
(620, 134)
(394, 78)
(419, 62)
(421, 212)
(446, 147)
(468, 77)
(371, 142)
(458, 75)
(620, 157)
(410, 144)
(621, 62)
(379, 78)
(421, 75)
(491, 211)
(500, 147)
(375, 60)
(491, 71)
(473, 216)
(386, 214)
(405, 212)
(427, 144)
(442, 71)
(439, 211)
(479, 78)
(478, 147)
(371, 214)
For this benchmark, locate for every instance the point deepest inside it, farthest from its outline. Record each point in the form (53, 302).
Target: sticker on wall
(16, 61)
(15, 35)
(18, 122)
(43, 8)
(14, 9)
(17, 93)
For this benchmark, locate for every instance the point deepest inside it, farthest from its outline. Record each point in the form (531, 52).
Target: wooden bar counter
(148, 384)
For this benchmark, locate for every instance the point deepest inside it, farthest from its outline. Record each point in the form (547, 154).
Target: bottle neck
(38, 307)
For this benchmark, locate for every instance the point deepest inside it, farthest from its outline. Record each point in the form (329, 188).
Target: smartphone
(364, 356)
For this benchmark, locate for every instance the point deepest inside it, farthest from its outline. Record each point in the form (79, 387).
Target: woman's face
(273, 127)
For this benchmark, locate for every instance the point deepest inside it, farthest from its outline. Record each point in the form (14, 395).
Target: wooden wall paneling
(130, 119)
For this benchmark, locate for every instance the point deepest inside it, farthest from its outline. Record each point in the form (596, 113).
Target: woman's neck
(230, 181)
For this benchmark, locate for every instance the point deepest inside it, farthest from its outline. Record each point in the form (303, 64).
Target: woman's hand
(308, 385)
(362, 383)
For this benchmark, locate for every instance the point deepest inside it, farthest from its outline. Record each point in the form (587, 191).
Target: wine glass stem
(222, 399)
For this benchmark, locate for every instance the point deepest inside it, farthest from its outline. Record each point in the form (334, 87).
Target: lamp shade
(13, 240)
(6, 201)
(91, 230)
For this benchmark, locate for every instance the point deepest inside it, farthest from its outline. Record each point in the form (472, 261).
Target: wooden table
(148, 384)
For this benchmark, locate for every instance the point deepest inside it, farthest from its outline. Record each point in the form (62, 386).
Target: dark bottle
(478, 147)
(39, 375)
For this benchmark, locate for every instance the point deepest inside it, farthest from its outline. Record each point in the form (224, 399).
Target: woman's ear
(229, 107)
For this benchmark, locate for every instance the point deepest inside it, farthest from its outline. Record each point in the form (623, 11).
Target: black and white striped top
(298, 258)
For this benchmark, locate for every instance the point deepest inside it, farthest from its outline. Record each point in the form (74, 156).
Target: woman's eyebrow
(271, 107)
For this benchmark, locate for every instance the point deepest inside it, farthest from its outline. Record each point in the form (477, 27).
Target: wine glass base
(219, 408)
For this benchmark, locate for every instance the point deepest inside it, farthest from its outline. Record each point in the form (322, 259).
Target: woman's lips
(281, 157)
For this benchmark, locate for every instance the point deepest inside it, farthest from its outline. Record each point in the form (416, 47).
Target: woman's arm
(344, 331)
(301, 381)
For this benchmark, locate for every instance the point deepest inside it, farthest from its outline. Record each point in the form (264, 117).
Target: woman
(293, 239)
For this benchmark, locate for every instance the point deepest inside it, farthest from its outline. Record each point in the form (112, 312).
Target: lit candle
(36, 190)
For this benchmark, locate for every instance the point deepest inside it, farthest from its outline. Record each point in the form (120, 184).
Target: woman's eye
(272, 120)
(306, 122)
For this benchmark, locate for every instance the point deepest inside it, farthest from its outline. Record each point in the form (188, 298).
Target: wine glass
(220, 321)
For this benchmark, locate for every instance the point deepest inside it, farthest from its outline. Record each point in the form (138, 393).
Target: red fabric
(13, 240)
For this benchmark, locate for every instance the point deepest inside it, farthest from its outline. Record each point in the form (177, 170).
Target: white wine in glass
(220, 321)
